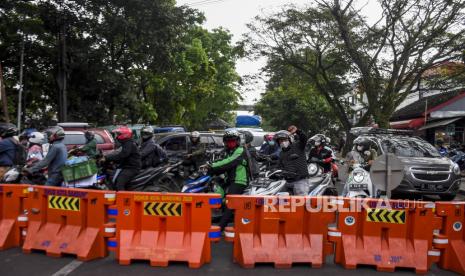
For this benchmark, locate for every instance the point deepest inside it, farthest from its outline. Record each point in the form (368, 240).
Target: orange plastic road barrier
(386, 234)
(280, 230)
(165, 227)
(451, 238)
(12, 216)
(69, 221)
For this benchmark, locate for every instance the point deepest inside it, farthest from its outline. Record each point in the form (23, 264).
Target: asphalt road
(13, 262)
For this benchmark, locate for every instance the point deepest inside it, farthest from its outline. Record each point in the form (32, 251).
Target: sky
(234, 15)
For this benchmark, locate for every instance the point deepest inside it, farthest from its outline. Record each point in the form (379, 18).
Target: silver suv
(425, 171)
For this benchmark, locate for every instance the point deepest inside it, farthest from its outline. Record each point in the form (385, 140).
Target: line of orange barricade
(384, 234)
(162, 227)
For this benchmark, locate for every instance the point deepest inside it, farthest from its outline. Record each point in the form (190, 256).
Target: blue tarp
(248, 120)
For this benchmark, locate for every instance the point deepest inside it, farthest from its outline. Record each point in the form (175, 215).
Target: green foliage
(292, 99)
(132, 61)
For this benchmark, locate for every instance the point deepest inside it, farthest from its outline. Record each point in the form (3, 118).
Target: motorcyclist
(320, 153)
(151, 153)
(90, 147)
(195, 153)
(442, 150)
(234, 165)
(35, 152)
(292, 158)
(8, 146)
(127, 157)
(55, 158)
(362, 153)
(270, 147)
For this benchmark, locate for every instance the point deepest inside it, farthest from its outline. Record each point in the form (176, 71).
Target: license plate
(429, 187)
(358, 187)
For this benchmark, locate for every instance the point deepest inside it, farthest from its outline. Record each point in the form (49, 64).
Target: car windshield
(409, 147)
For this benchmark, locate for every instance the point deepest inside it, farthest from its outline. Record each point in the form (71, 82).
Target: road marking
(67, 269)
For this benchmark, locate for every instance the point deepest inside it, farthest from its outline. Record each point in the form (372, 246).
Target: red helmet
(122, 133)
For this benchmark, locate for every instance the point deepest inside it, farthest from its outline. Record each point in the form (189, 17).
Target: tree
(290, 98)
(127, 61)
(335, 46)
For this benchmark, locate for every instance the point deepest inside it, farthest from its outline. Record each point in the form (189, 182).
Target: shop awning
(408, 124)
(440, 123)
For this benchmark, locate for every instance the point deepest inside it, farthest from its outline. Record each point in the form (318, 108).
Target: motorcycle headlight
(359, 176)
(456, 169)
(312, 169)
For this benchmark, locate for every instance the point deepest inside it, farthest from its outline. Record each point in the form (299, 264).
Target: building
(440, 115)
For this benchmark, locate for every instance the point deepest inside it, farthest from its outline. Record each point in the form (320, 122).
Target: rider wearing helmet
(362, 153)
(127, 157)
(151, 153)
(8, 147)
(35, 151)
(293, 159)
(234, 166)
(55, 158)
(90, 148)
(320, 153)
(195, 152)
(270, 147)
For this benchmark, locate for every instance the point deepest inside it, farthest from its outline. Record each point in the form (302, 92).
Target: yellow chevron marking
(65, 203)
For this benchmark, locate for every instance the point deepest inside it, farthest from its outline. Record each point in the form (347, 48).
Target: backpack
(253, 168)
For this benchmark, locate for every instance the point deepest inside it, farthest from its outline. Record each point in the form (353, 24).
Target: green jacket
(90, 149)
(234, 165)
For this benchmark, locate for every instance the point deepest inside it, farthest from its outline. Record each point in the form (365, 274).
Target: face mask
(317, 144)
(285, 144)
(271, 143)
(231, 144)
(359, 148)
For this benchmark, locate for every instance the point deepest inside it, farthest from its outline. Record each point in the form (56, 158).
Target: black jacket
(127, 157)
(324, 156)
(151, 154)
(293, 159)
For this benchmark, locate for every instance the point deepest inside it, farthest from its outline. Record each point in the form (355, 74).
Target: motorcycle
(458, 157)
(205, 183)
(359, 183)
(275, 183)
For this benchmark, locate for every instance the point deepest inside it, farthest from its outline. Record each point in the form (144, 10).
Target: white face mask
(284, 144)
(359, 148)
(317, 144)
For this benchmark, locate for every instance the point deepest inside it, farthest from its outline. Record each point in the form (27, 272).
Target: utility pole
(21, 84)
(3, 97)
(62, 67)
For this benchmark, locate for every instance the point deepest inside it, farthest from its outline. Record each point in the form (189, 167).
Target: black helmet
(362, 141)
(146, 132)
(9, 132)
(248, 137)
(318, 138)
(55, 133)
(282, 135)
(89, 135)
(231, 134)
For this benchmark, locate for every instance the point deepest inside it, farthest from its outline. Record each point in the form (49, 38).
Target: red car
(74, 136)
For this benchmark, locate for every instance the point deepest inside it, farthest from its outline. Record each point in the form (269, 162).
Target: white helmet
(37, 138)
(195, 134)
(11, 175)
